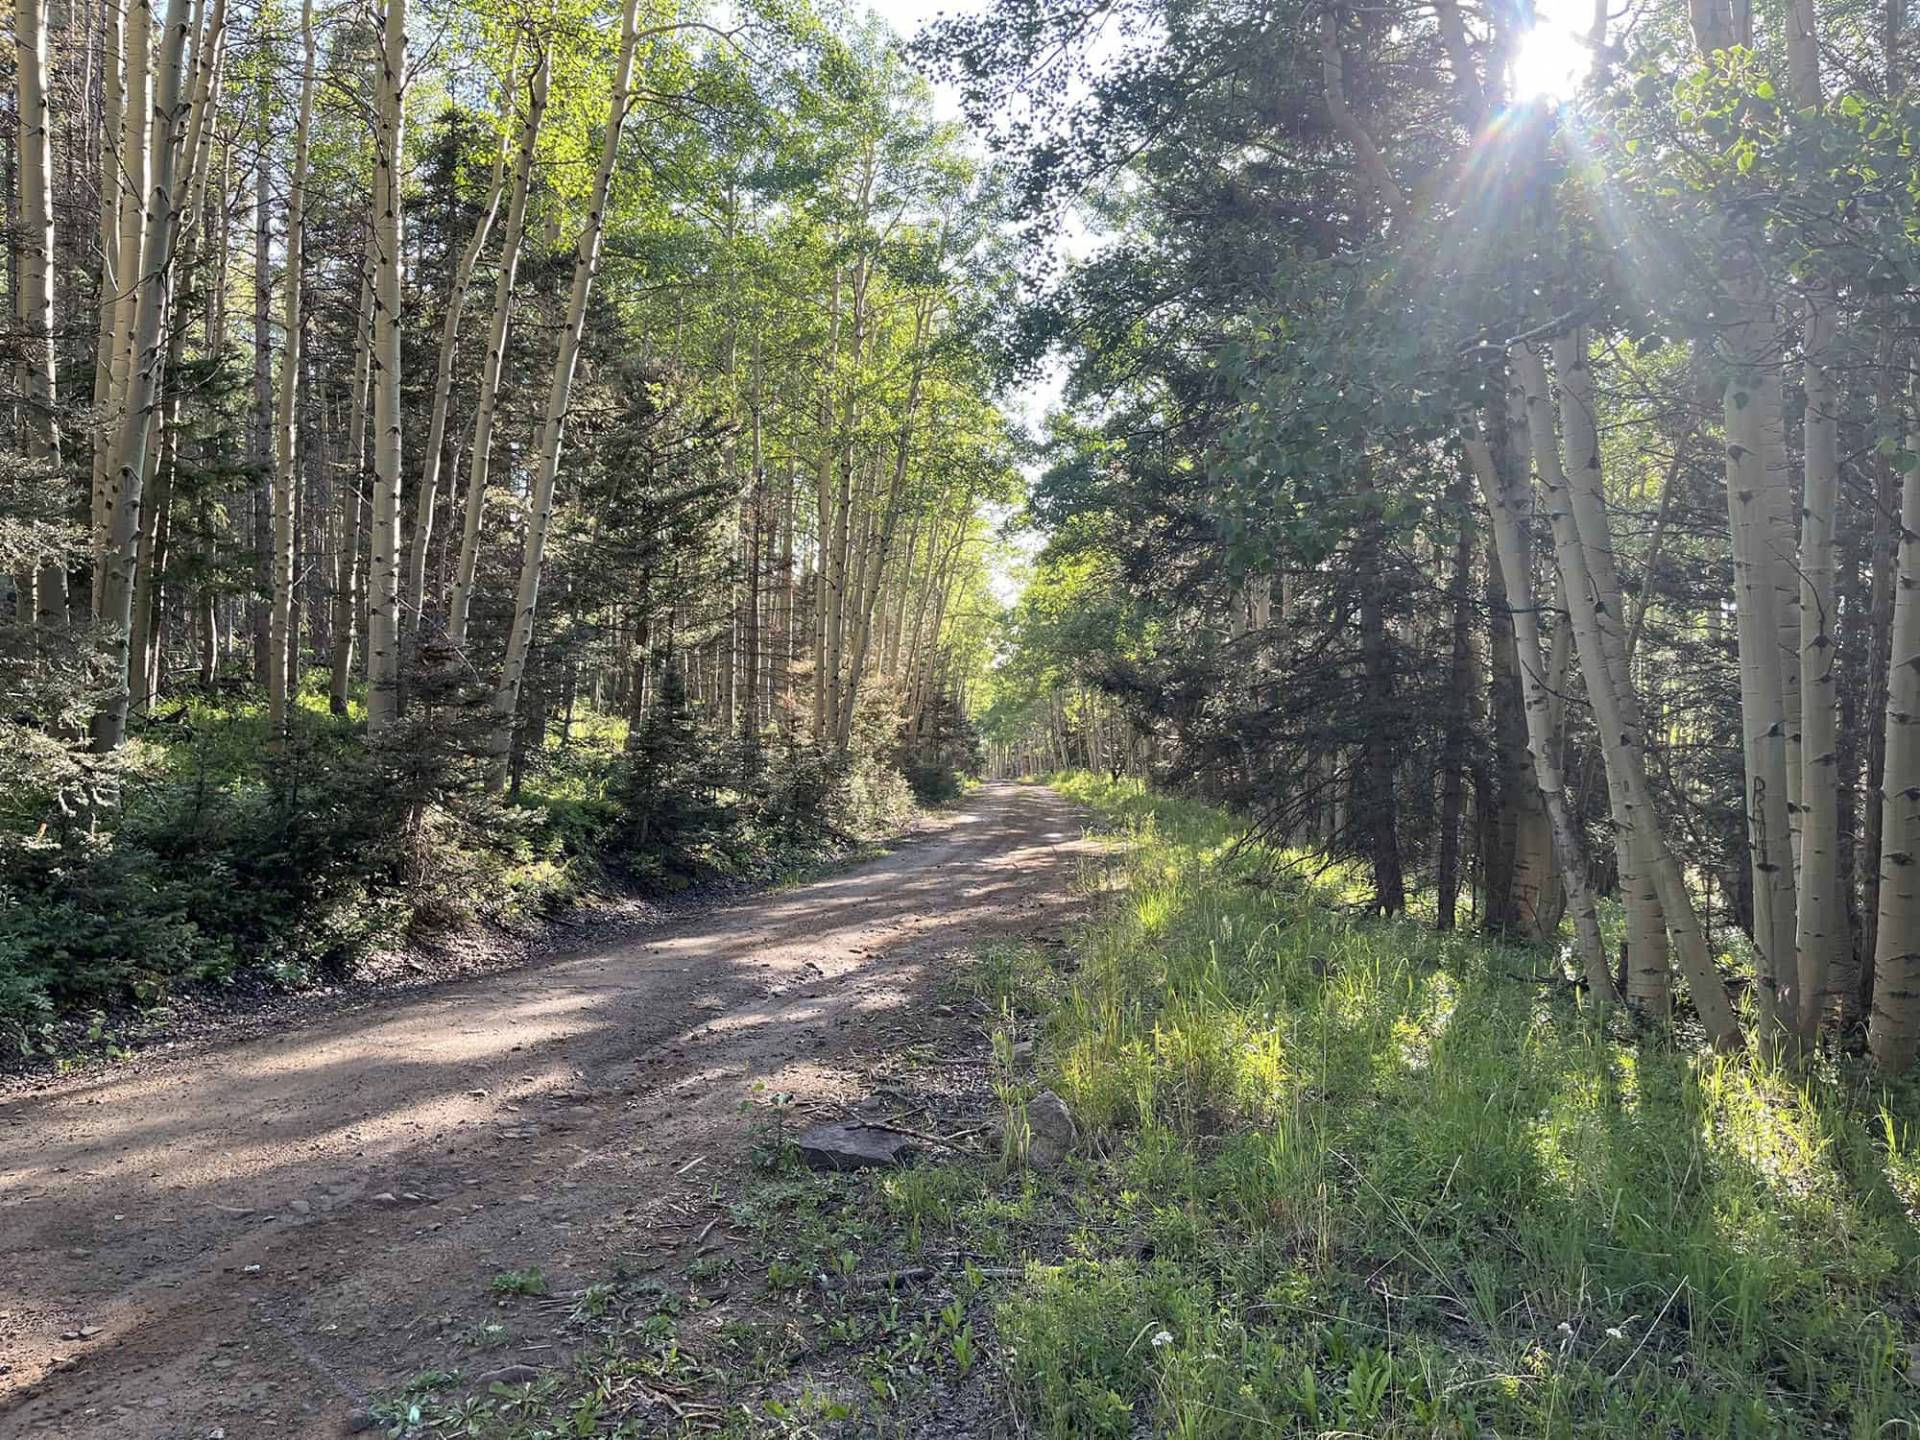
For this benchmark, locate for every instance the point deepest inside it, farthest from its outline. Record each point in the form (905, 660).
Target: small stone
(362, 1419)
(386, 1197)
(510, 1375)
(854, 1147)
(1051, 1131)
(301, 1207)
(1022, 1052)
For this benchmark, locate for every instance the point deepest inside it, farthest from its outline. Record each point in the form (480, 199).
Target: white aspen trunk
(383, 577)
(838, 551)
(874, 565)
(460, 597)
(287, 410)
(1762, 713)
(1781, 538)
(1893, 1030)
(143, 387)
(1822, 936)
(39, 387)
(415, 610)
(1709, 992)
(112, 183)
(353, 502)
(1648, 969)
(586, 264)
(136, 113)
(183, 244)
(823, 513)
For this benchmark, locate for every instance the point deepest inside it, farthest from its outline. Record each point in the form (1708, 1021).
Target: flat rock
(854, 1147)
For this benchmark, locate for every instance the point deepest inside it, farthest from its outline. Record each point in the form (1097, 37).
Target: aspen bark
(112, 182)
(460, 597)
(347, 582)
(586, 265)
(136, 422)
(874, 565)
(1893, 1031)
(1648, 969)
(287, 410)
(131, 179)
(38, 383)
(1623, 747)
(383, 587)
(1762, 701)
(1822, 936)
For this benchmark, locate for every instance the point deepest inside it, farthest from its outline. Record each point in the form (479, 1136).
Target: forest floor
(267, 1235)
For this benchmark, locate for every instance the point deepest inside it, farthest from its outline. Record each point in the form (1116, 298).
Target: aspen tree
(287, 410)
(1647, 964)
(1893, 1029)
(1623, 744)
(143, 381)
(38, 378)
(874, 565)
(352, 519)
(1762, 705)
(586, 265)
(183, 244)
(1821, 935)
(383, 576)
(131, 155)
(112, 183)
(460, 597)
(430, 459)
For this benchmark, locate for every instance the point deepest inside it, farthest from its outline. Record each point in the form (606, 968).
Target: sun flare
(1549, 64)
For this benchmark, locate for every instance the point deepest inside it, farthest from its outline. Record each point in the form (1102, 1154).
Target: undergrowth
(202, 853)
(1362, 1178)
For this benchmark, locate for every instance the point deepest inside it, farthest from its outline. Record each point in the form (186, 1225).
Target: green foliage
(1391, 1187)
(217, 858)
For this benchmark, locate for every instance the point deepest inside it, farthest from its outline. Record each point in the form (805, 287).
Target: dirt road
(249, 1240)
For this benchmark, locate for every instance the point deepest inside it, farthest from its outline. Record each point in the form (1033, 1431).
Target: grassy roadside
(1341, 1177)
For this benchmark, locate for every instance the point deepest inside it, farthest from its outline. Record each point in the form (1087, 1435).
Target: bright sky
(1551, 63)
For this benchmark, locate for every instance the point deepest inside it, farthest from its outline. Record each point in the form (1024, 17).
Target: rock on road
(252, 1236)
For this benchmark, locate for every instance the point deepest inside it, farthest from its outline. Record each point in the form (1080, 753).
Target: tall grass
(1359, 1178)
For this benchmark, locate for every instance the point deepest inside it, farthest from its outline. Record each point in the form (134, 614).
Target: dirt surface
(252, 1239)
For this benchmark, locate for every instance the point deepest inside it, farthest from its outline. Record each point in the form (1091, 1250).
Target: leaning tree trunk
(1623, 748)
(1648, 969)
(1506, 506)
(143, 384)
(460, 597)
(586, 264)
(383, 592)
